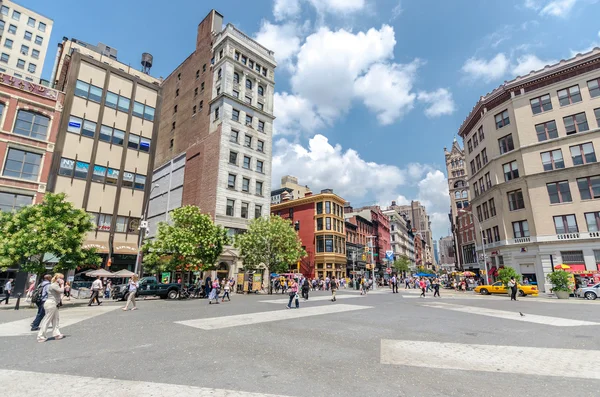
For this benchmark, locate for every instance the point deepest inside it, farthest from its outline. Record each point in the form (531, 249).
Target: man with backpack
(39, 296)
(333, 284)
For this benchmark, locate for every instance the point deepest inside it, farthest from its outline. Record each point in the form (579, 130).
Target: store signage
(28, 86)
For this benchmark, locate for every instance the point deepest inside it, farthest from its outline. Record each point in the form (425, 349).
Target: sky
(368, 92)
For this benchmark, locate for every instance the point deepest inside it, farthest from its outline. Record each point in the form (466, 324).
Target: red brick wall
(305, 213)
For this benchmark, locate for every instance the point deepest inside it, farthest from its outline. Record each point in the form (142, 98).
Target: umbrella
(425, 275)
(123, 273)
(274, 275)
(100, 272)
(468, 274)
(562, 267)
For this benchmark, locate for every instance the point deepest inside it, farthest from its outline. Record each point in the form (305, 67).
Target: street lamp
(143, 228)
(482, 243)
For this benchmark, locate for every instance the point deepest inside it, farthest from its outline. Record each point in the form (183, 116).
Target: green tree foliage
(53, 229)
(192, 242)
(271, 242)
(561, 280)
(505, 275)
(402, 264)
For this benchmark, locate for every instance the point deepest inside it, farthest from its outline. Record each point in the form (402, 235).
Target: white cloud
(295, 115)
(283, 39)
(397, 11)
(386, 89)
(529, 62)
(481, 69)
(589, 48)
(335, 6)
(440, 102)
(558, 8)
(283, 9)
(433, 194)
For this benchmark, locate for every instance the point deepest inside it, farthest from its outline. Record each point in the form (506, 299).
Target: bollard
(18, 301)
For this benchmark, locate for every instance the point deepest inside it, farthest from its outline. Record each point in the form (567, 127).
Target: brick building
(357, 231)
(381, 231)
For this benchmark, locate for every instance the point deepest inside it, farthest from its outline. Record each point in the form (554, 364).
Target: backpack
(36, 296)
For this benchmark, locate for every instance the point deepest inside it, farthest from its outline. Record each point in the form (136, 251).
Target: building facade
(319, 220)
(105, 146)
(217, 120)
(464, 226)
(534, 175)
(447, 252)
(24, 35)
(380, 241)
(421, 224)
(355, 252)
(401, 237)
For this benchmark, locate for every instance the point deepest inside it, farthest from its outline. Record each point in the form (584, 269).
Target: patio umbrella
(100, 272)
(562, 267)
(123, 273)
(468, 274)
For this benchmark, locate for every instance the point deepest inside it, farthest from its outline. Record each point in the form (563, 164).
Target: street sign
(388, 270)
(389, 255)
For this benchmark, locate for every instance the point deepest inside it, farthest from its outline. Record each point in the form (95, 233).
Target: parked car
(499, 288)
(149, 286)
(589, 293)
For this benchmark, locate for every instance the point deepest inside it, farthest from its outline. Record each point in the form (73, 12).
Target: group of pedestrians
(427, 285)
(213, 289)
(315, 284)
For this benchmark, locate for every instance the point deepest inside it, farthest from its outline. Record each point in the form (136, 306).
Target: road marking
(512, 315)
(313, 299)
(445, 297)
(492, 358)
(68, 317)
(266, 317)
(39, 383)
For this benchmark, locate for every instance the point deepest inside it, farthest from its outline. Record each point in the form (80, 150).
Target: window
(140, 182)
(257, 211)
(201, 104)
(515, 200)
(144, 144)
(259, 166)
(261, 90)
(103, 222)
(31, 124)
(327, 223)
(492, 207)
(470, 145)
(8, 43)
(593, 222)
(541, 104)
(520, 229)
(134, 142)
(576, 123)
(249, 120)
(478, 161)
(27, 36)
(583, 154)
(488, 181)
(476, 189)
(35, 54)
(111, 100)
(552, 160)
(596, 113)
(328, 243)
(264, 72)
(233, 158)
(219, 74)
(31, 68)
(261, 126)
(173, 124)
(12, 29)
(319, 224)
(194, 109)
(216, 113)
(233, 136)
(235, 115)
(231, 181)
(236, 94)
(112, 176)
(473, 170)
(484, 157)
(481, 186)
(41, 25)
(16, 15)
(4, 58)
(594, 87)
(511, 171)
(38, 40)
(496, 233)
(251, 64)
(546, 131)
(261, 106)
(21, 64)
(245, 185)
(589, 188)
(128, 179)
(565, 224)
(569, 95)
(244, 212)
(177, 93)
(319, 207)
(246, 162)
(230, 207)
(480, 131)
(475, 141)
(257, 68)
(502, 119)
(486, 213)
(99, 174)
(259, 188)
(5, 10)
(11, 201)
(260, 146)
(174, 109)
(559, 192)
(121, 224)
(328, 207)
(248, 84)
(88, 91)
(106, 134)
(506, 144)
(248, 141)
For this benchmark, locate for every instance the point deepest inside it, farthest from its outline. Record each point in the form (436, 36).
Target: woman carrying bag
(55, 291)
(133, 287)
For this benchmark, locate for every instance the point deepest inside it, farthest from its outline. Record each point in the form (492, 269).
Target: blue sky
(368, 91)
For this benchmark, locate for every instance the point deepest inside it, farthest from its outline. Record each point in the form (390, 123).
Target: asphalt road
(381, 344)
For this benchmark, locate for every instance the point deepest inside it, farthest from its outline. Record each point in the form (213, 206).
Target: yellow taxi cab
(499, 288)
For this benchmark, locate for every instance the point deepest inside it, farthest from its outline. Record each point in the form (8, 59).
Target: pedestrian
(68, 290)
(133, 287)
(512, 284)
(207, 286)
(429, 288)
(293, 294)
(406, 283)
(42, 291)
(214, 292)
(55, 290)
(423, 286)
(305, 289)
(394, 284)
(96, 288)
(436, 288)
(30, 292)
(333, 284)
(226, 288)
(364, 284)
(8, 289)
(107, 288)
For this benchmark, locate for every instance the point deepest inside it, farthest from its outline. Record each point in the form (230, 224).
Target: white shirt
(8, 286)
(96, 285)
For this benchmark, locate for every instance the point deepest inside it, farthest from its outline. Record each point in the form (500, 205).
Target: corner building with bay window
(532, 148)
(105, 146)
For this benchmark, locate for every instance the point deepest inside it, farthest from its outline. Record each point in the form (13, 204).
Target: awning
(125, 248)
(101, 246)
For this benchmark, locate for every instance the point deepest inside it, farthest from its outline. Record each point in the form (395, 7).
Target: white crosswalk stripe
(38, 383)
(511, 315)
(265, 317)
(314, 299)
(68, 317)
(492, 358)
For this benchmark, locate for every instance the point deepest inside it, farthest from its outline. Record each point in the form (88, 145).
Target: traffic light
(364, 257)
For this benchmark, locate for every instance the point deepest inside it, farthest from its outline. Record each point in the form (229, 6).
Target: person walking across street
(512, 284)
(293, 294)
(214, 292)
(39, 297)
(305, 289)
(394, 284)
(226, 288)
(8, 289)
(436, 287)
(55, 290)
(423, 286)
(133, 287)
(96, 288)
(333, 284)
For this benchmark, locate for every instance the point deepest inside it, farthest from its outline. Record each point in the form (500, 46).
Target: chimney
(308, 193)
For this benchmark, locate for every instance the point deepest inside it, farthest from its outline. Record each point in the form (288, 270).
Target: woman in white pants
(133, 287)
(55, 291)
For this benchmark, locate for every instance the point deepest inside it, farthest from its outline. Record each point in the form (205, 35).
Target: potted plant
(561, 283)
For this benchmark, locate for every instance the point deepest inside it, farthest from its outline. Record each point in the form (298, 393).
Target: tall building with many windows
(105, 146)
(536, 192)
(215, 133)
(24, 37)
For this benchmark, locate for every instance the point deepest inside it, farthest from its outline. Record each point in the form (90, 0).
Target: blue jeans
(39, 316)
(290, 302)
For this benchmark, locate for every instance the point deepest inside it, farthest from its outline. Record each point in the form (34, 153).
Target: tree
(561, 281)
(506, 273)
(271, 242)
(401, 265)
(192, 242)
(50, 233)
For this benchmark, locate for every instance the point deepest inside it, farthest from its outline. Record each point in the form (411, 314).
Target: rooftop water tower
(146, 62)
